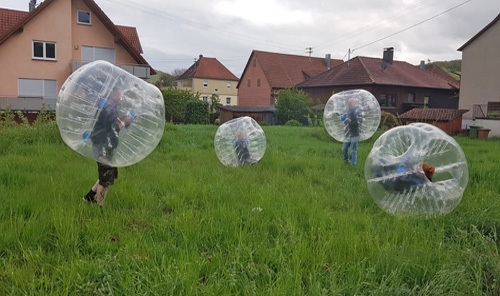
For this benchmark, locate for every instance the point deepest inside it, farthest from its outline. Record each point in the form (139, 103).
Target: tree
(214, 101)
(163, 80)
(175, 103)
(292, 104)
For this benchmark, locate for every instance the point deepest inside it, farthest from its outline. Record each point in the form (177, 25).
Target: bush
(197, 112)
(175, 103)
(293, 122)
(388, 121)
(263, 123)
(292, 104)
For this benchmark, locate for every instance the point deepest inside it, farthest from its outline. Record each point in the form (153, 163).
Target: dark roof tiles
(365, 70)
(285, 70)
(434, 114)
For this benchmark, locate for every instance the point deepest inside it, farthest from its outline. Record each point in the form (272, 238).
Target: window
(229, 84)
(388, 101)
(249, 84)
(46, 89)
(258, 82)
(43, 50)
(216, 90)
(205, 98)
(83, 17)
(205, 83)
(411, 98)
(90, 54)
(228, 101)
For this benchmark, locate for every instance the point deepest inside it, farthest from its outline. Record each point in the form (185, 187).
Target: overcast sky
(174, 33)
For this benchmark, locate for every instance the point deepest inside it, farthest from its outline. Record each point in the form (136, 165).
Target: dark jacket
(352, 128)
(107, 128)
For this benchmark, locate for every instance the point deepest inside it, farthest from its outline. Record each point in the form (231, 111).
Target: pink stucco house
(39, 49)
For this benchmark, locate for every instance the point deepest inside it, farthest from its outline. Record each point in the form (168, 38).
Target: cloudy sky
(174, 33)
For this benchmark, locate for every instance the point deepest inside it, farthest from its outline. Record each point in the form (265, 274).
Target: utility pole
(309, 50)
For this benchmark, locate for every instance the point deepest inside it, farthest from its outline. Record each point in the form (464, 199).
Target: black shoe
(90, 198)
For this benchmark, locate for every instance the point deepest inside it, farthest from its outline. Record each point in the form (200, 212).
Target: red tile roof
(13, 20)
(365, 70)
(9, 18)
(432, 114)
(209, 68)
(130, 33)
(285, 70)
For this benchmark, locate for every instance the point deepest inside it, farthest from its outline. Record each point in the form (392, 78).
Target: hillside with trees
(454, 67)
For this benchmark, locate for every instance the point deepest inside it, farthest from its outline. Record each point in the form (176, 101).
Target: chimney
(422, 65)
(328, 60)
(200, 56)
(389, 55)
(32, 5)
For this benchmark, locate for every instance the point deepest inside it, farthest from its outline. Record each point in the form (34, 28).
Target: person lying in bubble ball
(241, 144)
(352, 121)
(405, 176)
(104, 137)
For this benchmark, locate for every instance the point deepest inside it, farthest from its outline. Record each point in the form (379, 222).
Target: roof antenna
(309, 50)
(32, 5)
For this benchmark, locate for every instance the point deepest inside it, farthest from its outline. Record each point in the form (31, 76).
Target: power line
(201, 26)
(412, 26)
(376, 24)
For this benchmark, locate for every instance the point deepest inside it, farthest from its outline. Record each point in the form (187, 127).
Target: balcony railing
(141, 71)
(28, 104)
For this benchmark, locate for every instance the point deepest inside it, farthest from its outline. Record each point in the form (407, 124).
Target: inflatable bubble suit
(416, 169)
(240, 141)
(109, 115)
(357, 103)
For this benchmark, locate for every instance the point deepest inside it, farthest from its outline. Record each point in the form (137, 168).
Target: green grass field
(180, 223)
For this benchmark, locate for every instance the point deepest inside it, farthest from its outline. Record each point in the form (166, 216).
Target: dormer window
(84, 17)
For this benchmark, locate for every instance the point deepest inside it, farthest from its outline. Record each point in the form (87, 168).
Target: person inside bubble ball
(104, 139)
(241, 144)
(405, 176)
(352, 121)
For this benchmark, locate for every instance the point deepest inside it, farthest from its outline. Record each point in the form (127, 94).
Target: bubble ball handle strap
(132, 117)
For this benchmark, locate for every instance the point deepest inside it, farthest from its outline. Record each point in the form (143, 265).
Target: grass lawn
(180, 223)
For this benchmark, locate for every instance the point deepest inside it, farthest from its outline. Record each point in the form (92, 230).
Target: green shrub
(293, 122)
(197, 112)
(175, 103)
(263, 123)
(292, 104)
(388, 121)
(7, 117)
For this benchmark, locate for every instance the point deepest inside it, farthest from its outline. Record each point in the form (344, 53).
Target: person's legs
(345, 151)
(354, 152)
(107, 176)
(102, 191)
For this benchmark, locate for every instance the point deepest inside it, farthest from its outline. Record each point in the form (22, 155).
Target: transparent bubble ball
(365, 107)
(396, 167)
(240, 141)
(94, 106)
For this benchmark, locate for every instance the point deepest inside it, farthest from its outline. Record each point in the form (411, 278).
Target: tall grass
(179, 223)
